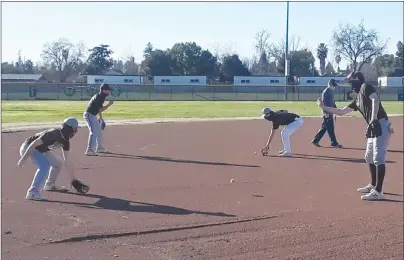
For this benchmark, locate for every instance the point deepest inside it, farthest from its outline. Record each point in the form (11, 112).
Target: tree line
(354, 44)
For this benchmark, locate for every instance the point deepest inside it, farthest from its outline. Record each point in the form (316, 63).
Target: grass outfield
(53, 111)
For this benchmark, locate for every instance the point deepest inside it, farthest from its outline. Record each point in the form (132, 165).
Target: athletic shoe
(34, 195)
(281, 152)
(91, 153)
(54, 187)
(316, 144)
(373, 195)
(368, 188)
(285, 154)
(336, 146)
(102, 150)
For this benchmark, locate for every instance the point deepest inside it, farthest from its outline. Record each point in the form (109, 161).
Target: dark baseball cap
(105, 86)
(333, 83)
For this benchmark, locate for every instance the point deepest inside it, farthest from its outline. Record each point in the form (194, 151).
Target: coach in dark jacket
(328, 122)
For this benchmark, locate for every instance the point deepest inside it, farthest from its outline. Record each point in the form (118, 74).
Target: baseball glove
(264, 151)
(79, 186)
(374, 129)
(102, 123)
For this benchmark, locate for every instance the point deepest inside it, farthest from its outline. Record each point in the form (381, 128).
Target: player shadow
(117, 204)
(166, 159)
(390, 200)
(327, 158)
(363, 149)
(393, 194)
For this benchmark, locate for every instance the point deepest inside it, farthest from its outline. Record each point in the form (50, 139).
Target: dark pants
(327, 126)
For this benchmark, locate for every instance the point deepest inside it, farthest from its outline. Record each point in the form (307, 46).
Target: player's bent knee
(369, 158)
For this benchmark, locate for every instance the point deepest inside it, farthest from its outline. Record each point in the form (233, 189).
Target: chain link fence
(63, 91)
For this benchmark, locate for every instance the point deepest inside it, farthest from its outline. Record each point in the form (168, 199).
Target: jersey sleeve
(353, 105)
(275, 125)
(66, 146)
(268, 117)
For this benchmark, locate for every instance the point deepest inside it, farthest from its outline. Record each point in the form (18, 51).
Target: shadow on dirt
(166, 159)
(107, 203)
(363, 149)
(326, 158)
(157, 231)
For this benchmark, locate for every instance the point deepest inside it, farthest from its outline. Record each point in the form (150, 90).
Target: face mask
(356, 85)
(73, 134)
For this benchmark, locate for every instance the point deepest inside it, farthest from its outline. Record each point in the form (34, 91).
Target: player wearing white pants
(287, 131)
(291, 123)
(96, 107)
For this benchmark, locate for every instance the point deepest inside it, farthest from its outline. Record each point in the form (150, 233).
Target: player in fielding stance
(39, 148)
(378, 131)
(291, 123)
(95, 107)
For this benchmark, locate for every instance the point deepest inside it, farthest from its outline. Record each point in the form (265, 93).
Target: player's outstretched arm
(68, 165)
(271, 136)
(335, 111)
(349, 77)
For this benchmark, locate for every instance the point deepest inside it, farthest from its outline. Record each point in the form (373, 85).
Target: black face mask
(356, 85)
(68, 132)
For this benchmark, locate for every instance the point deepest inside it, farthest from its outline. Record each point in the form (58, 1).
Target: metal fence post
(150, 94)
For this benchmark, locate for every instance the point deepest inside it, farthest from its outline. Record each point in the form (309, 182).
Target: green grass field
(53, 111)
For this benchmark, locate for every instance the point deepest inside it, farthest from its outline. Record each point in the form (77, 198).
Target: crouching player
(39, 148)
(291, 123)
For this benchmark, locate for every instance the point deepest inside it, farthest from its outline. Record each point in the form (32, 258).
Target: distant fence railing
(63, 91)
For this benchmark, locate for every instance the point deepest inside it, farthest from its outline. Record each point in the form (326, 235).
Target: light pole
(287, 40)
(287, 65)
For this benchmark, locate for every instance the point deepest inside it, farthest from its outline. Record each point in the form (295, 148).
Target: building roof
(21, 76)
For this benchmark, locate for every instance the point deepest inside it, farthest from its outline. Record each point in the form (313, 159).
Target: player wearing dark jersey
(39, 148)
(378, 132)
(290, 122)
(96, 107)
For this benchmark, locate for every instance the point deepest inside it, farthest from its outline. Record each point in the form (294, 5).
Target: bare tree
(262, 44)
(357, 44)
(220, 50)
(131, 67)
(63, 56)
(278, 50)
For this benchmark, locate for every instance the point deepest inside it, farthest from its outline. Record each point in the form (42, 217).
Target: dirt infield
(165, 193)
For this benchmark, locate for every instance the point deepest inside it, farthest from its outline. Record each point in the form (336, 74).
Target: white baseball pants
(288, 131)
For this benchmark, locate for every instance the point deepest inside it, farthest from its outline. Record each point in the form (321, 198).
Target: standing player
(328, 122)
(39, 147)
(95, 107)
(291, 123)
(378, 131)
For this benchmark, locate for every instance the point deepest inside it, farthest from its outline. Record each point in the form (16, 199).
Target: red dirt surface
(166, 194)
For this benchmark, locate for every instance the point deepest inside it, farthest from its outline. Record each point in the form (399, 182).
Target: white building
(390, 81)
(320, 81)
(180, 80)
(114, 79)
(259, 81)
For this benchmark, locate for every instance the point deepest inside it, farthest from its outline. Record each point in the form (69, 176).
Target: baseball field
(164, 191)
